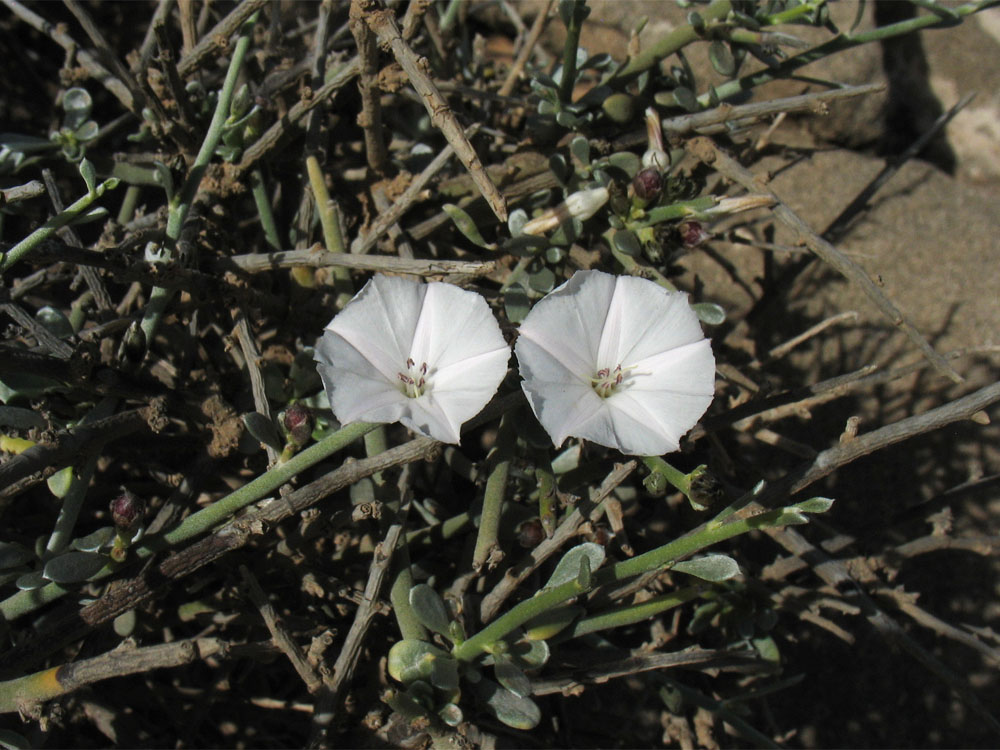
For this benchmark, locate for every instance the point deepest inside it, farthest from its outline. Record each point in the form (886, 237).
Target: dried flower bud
(706, 490)
(692, 233)
(127, 511)
(298, 422)
(648, 184)
(530, 533)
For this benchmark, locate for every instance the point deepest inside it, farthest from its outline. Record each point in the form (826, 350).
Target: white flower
(428, 355)
(617, 360)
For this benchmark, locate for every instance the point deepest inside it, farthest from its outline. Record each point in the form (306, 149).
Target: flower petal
(455, 325)
(560, 400)
(645, 319)
(462, 389)
(356, 389)
(567, 322)
(379, 322)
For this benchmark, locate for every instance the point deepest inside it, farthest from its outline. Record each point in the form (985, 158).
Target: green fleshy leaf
(10, 740)
(451, 715)
(31, 581)
(714, 568)
(512, 710)
(626, 161)
(429, 608)
(528, 654)
(466, 226)
(263, 430)
(568, 568)
(543, 280)
(685, 98)
(74, 567)
(61, 482)
(125, 623)
(55, 321)
(767, 648)
(550, 622)
(516, 221)
(95, 541)
(722, 58)
(412, 659)
(516, 303)
(89, 175)
(814, 505)
(511, 676)
(709, 313)
(626, 242)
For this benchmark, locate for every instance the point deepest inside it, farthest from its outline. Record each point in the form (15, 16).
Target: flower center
(414, 380)
(608, 381)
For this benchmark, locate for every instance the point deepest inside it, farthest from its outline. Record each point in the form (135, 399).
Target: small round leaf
(74, 567)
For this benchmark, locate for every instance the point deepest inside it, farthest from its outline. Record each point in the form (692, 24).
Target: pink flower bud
(648, 184)
(127, 510)
(298, 422)
(692, 233)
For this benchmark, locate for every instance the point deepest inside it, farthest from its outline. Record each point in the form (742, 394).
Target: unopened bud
(648, 184)
(298, 422)
(530, 533)
(585, 203)
(692, 233)
(127, 511)
(579, 205)
(705, 490)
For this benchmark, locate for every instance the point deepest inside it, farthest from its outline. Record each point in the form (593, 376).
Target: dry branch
(383, 23)
(712, 155)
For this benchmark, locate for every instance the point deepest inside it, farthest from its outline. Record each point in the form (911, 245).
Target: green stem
(546, 492)
(409, 624)
(263, 203)
(69, 511)
(673, 211)
(180, 205)
(375, 443)
(27, 601)
(493, 495)
(329, 218)
(222, 509)
(675, 40)
(678, 479)
(328, 213)
(635, 268)
(839, 44)
(129, 202)
(520, 614)
(577, 14)
(660, 558)
(705, 535)
(50, 227)
(631, 614)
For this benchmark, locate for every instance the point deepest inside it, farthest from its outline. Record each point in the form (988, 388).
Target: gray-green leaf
(568, 568)
(429, 608)
(74, 567)
(712, 568)
(466, 226)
